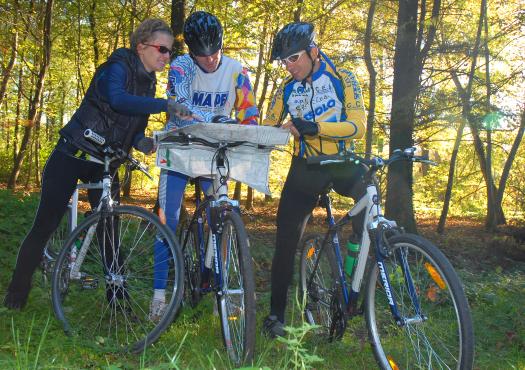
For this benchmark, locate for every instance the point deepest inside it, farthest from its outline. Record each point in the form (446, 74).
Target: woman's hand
(179, 110)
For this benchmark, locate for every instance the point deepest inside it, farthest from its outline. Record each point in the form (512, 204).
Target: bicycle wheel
(188, 239)
(320, 288)
(54, 246)
(236, 298)
(103, 297)
(441, 336)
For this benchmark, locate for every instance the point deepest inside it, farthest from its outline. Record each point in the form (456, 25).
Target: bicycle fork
(383, 251)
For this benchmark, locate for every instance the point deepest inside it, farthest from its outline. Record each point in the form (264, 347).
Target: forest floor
(491, 265)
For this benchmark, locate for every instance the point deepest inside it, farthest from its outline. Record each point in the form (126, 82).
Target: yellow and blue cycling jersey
(333, 100)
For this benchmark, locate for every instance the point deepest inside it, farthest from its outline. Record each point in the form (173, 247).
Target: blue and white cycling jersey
(209, 94)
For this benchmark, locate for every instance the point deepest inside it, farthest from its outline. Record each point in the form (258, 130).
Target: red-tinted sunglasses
(161, 49)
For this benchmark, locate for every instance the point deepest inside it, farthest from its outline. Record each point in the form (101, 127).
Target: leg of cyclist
(171, 192)
(298, 199)
(59, 180)
(347, 180)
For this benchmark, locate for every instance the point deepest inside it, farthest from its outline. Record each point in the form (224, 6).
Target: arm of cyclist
(246, 110)
(180, 77)
(112, 86)
(354, 124)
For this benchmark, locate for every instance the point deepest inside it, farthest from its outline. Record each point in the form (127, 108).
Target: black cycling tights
(298, 199)
(59, 181)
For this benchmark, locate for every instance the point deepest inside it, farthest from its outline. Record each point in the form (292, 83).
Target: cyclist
(211, 85)
(117, 105)
(326, 112)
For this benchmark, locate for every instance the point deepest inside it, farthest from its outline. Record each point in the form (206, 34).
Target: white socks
(159, 295)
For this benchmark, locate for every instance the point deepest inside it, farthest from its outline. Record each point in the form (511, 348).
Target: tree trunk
(177, 25)
(490, 222)
(405, 89)
(237, 191)
(372, 73)
(92, 27)
(9, 68)
(249, 198)
(18, 109)
(297, 12)
(37, 149)
(510, 159)
(408, 65)
(465, 96)
(261, 61)
(37, 98)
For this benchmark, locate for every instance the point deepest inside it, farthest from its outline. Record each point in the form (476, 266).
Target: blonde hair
(145, 31)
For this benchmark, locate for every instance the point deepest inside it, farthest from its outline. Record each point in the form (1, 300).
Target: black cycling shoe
(15, 300)
(273, 328)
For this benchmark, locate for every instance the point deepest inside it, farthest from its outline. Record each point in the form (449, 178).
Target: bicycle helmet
(203, 33)
(291, 39)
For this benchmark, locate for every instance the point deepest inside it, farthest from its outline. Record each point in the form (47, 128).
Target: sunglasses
(161, 49)
(292, 58)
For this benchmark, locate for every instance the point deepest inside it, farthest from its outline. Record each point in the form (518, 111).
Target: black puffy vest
(95, 112)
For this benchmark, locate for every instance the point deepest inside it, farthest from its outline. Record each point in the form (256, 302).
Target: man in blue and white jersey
(211, 86)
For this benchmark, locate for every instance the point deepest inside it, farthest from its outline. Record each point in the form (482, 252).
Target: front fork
(383, 251)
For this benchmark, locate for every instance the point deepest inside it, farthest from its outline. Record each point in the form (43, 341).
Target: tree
(37, 97)
(465, 95)
(410, 53)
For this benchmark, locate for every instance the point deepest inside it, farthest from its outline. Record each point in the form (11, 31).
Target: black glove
(223, 119)
(177, 109)
(305, 127)
(145, 145)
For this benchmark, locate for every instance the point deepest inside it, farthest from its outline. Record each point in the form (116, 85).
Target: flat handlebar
(375, 162)
(117, 153)
(188, 139)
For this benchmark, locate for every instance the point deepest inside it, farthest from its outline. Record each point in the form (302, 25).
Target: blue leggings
(171, 193)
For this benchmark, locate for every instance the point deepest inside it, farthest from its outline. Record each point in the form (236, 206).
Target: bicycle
(215, 244)
(102, 279)
(415, 308)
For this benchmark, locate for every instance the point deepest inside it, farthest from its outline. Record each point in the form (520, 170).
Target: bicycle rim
(321, 293)
(103, 298)
(441, 336)
(236, 298)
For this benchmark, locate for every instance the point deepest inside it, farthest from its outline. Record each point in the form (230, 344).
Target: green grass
(33, 338)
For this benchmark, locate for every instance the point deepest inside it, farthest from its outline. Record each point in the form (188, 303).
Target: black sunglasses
(161, 49)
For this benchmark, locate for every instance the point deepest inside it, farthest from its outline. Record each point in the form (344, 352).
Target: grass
(493, 276)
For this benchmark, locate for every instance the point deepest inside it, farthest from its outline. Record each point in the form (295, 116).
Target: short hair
(144, 32)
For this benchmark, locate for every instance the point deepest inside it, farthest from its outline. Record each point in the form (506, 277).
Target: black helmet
(203, 34)
(292, 38)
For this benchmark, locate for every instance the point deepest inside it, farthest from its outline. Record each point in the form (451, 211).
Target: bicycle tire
(188, 240)
(322, 298)
(54, 246)
(442, 337)
(236, 309)
(106, 304)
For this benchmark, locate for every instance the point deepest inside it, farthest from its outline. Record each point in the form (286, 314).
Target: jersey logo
(210, 100)
(320, 110)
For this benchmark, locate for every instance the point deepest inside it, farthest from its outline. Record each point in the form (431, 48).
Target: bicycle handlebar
(188, 139)
(375, 162)
(116, 153)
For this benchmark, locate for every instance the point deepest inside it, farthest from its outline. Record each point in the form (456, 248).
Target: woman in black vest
(117, 105)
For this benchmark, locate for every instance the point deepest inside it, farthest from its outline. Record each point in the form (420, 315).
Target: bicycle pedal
(89, 282)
